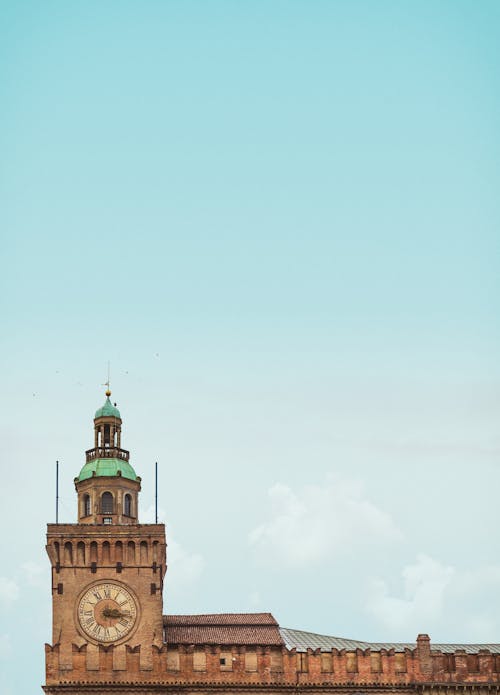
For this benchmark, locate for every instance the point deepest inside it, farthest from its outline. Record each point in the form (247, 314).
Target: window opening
(128, 506)
(107, 503)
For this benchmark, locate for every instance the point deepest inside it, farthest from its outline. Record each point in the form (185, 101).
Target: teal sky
(280, 223)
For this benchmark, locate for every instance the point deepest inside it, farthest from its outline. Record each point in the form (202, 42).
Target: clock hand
(114, 613)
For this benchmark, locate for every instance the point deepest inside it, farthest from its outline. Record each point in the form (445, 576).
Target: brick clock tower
(107, 572)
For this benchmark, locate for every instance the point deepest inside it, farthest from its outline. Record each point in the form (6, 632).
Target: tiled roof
(223, 628)
(263, 630)
(221, 619)
(301, 641)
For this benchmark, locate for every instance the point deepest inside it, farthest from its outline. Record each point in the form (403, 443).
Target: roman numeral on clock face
(114, 604)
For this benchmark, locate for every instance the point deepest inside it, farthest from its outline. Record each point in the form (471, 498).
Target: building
(109, 634)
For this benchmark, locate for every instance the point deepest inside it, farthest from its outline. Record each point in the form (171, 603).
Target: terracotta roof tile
(221, 619)
(261, 629)
(223, 628)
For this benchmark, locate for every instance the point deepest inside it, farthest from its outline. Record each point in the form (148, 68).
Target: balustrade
(107, 452)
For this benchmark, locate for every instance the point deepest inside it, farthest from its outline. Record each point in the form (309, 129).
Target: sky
(279, 222)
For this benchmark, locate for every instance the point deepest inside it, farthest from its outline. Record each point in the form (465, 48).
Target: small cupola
(107, 485)
(107, 425)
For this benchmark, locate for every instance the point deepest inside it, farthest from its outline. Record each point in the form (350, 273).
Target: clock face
(107, 612)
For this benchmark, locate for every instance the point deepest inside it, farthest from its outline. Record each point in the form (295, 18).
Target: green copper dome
(107, 467)
(108, 410)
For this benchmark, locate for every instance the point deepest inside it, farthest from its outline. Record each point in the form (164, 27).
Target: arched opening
(127, 505)
(131, 553)
(80, 553)
(144, 553)
(86, 505)
(106, 553)
(119, 551)
(68, 553)
(106, 435)
(107, 503)
(93, 552)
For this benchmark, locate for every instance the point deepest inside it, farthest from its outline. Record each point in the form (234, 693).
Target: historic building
(109, 634)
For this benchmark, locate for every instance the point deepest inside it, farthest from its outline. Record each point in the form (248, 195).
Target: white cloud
(147, 516)
(478, 579)
(9, 590)
(425, 583)
(34, 574)
(184, 568)
(311, 525)
(442, 598)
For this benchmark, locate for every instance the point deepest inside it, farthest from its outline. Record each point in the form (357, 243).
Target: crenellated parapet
(264, 666)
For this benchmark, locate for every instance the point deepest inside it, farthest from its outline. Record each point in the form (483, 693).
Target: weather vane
(108, 382)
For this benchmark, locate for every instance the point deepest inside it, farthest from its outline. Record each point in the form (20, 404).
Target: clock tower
(107, 571)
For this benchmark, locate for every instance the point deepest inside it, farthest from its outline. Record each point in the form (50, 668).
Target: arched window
(68, 553)
(127, 505)
(86, 505)
(107, 503)
(106, 553)
(93, 552)
(119, 551)
(80, 553)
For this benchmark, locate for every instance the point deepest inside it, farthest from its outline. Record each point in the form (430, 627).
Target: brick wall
(255, 666)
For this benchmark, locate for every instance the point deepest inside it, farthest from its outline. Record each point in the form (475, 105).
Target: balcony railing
(107, 452)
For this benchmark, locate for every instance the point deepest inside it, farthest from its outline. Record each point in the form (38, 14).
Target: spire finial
(108, 383)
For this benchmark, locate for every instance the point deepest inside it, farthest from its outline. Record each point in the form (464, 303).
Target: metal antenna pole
(57, 492)
(156, 492)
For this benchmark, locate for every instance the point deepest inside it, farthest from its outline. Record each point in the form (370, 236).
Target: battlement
(268, 666)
